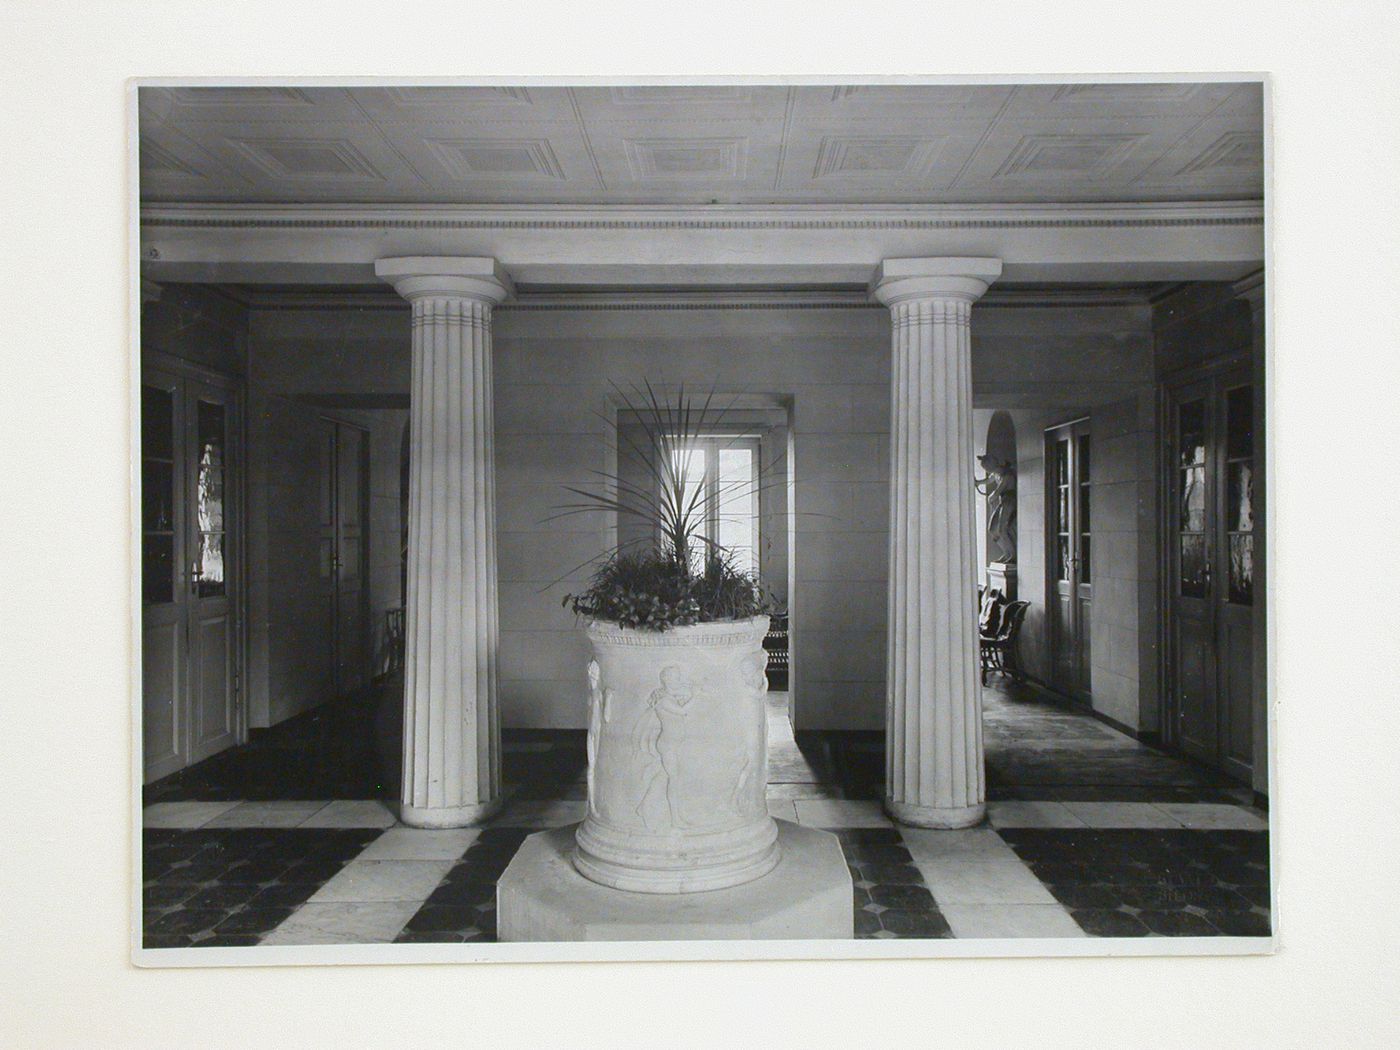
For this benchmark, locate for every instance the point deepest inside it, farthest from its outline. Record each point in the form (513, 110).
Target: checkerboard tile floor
(1089, 834)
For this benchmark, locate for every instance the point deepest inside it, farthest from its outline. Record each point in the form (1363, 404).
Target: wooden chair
(998, 649)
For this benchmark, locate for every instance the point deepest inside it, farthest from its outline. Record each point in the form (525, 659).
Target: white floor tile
(1215, 816)
(420, 844)
(841, 813)
(930, 843)
(341, 923)
(1010, 920)
(351, 813)
(383, 880)
(1016, 814)
(813, 790)
(782, 809)
(183, 815)
(266, 815)
(971, 878)
(1122, 815)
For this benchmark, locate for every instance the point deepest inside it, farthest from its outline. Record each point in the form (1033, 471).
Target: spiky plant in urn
(677, 733)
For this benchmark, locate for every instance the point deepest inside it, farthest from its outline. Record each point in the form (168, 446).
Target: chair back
(1011, 619)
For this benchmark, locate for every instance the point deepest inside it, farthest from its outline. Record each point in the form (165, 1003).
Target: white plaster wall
(1122, 494)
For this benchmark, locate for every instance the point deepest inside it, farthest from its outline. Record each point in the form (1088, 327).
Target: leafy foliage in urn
(679, 575)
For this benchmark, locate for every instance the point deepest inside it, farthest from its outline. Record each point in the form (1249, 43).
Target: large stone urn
(677, 759)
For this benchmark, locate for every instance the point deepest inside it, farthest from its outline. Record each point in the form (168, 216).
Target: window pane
(1084, 459)
(1239, 423)
(1062, 522)
(158, 568)
(1085, 575)
(211, 564)
(1061, 462)
(1063, 560)
(157, 422)
(1191, 432)
(209, 498)
(1239, 511)
(157, 495)
(737, 497)
(1242, 569)
(1193, 499)
(1193, 566)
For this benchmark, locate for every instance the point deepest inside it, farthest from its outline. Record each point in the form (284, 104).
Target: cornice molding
(703, 217)
(768, 299)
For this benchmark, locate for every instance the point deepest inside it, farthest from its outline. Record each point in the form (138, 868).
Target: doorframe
(236, 480)
(1168, 383)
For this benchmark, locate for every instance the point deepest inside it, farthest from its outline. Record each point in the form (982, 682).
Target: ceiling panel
(671, 144)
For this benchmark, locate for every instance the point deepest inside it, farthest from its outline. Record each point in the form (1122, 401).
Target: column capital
(468, 277)
(935, 277)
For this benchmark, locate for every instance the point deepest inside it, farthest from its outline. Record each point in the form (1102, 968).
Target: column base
(448, 816)
(940, 817)
(542, 897)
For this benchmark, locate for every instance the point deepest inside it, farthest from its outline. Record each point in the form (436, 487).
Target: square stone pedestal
(1002, 576)
(542, 897)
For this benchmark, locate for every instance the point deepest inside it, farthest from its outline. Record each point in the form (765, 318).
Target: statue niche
(998, 484)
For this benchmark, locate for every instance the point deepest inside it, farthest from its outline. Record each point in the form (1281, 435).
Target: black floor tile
(236, 884)
(1126, 878)
(1102, 922)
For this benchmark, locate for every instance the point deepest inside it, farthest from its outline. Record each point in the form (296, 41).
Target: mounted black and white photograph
(700, 518)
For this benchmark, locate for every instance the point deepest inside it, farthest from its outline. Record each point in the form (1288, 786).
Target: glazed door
(190, 695)
(1211, 568)
(344, 494)
(1069, 559)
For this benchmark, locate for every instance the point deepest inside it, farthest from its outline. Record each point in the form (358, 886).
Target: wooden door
(344, 497)
(190, 631)
(164, 591)
(1211, 591)
(1069, 560)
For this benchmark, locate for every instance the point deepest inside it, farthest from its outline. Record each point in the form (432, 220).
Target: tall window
(721, 480)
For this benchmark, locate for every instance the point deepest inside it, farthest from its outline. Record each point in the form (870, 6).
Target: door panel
(343, 507)
(1192, 485)
(1069, 560)
(211, 650)
(215, 725)
(162, 729)
(163, 592)
(352, 657)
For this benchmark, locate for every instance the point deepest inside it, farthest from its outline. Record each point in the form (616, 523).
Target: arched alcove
(998, 468)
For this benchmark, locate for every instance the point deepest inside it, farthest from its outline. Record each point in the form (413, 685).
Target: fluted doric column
(451, 727)
(933, 720)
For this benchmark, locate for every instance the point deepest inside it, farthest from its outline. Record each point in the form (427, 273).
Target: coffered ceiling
(746, 144)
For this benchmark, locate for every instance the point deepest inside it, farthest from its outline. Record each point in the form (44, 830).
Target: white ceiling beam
(732, 246)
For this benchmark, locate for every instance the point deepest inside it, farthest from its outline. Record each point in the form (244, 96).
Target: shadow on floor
(1036, 745)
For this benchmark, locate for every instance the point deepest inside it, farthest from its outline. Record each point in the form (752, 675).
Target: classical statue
(998, 484)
